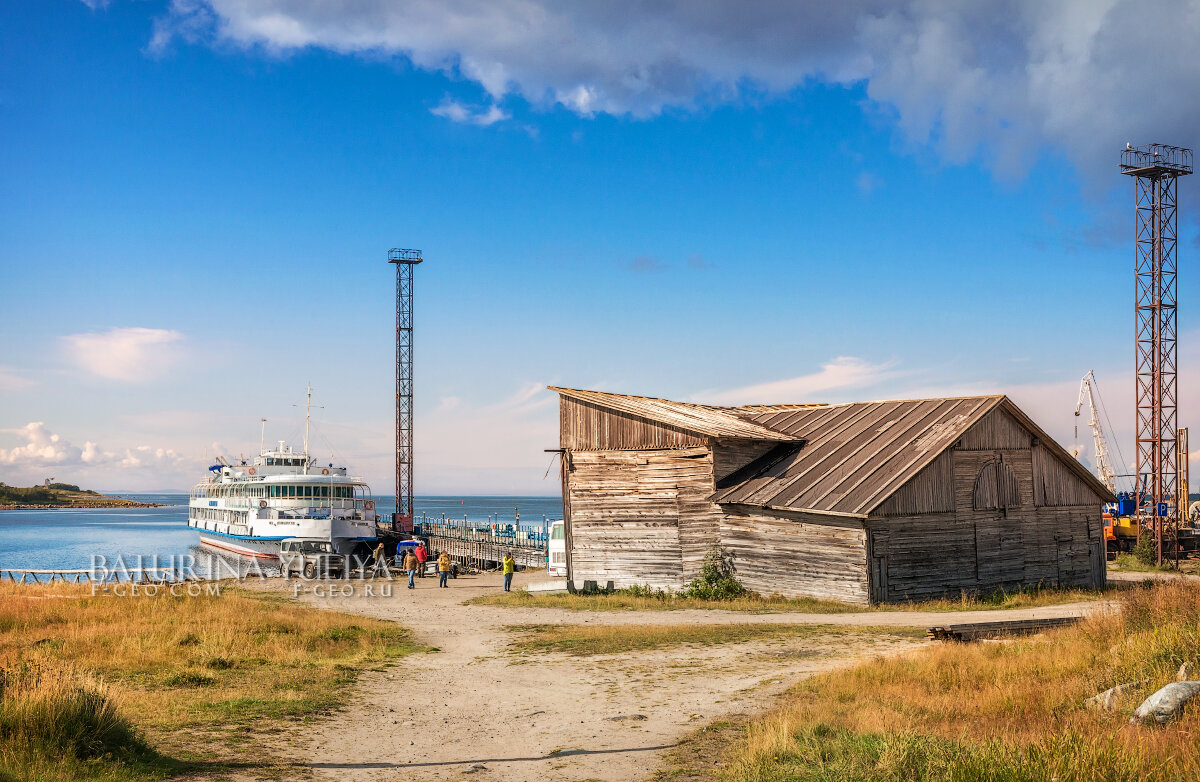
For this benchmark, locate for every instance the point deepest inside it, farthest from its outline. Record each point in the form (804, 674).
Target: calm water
(69, 538)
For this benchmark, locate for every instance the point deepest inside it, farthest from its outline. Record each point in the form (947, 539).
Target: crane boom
(1104, 470)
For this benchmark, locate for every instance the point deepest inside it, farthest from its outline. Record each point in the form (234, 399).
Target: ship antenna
(307, 421)
(262, 439)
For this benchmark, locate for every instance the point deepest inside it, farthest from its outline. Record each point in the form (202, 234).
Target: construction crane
(1104, 469)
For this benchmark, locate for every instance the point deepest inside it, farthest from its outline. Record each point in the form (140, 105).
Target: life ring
(324, 470)
(369, 504)
(250, 471)
(262, 503)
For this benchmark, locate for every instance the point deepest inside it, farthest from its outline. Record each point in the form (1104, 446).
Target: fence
(480, 546)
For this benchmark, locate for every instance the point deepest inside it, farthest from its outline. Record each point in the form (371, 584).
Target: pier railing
(482, 546)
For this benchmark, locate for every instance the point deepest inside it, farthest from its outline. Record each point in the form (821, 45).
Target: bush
(1145, 551)
(717, 580)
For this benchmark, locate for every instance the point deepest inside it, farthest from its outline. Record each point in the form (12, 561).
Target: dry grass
(624, 601)
(993, 711)
(199, 677)
(585, 641)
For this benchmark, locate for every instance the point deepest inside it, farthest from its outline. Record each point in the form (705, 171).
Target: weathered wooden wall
(1020, 517)
(730, 454)
(588, 427)
(797, 554)
(930, 491)
(638, 516)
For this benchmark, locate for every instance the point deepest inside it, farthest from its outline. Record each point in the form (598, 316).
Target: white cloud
(841, 374)
(459, 112)
(42, 448)
(126, 354)
(10, 380)
(1001, 78)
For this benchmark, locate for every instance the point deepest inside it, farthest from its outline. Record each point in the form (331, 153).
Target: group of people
(413, 558)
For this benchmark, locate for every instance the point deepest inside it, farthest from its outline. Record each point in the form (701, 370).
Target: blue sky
(197, 207)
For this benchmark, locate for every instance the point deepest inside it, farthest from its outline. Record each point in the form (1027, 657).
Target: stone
(1166, 704)
(1108, 700)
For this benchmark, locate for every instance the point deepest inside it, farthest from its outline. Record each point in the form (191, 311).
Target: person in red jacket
(422, 557)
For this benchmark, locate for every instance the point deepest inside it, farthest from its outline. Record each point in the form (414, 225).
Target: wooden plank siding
(797, 554)
(996, 430)
(930, 491)
(588, 427)
(634, 514)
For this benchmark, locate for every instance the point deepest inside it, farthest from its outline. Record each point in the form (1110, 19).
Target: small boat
(251, 507)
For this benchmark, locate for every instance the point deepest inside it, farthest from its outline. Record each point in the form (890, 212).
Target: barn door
(879, 567)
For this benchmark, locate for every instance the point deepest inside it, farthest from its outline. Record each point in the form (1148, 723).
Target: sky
(714, 202)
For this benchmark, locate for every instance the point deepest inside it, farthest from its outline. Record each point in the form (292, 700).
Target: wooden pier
(483, 546)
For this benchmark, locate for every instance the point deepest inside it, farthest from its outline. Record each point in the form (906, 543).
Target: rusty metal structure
(405, 260)
(1156, 169)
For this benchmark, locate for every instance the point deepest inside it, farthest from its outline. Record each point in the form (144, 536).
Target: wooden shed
(859, 502)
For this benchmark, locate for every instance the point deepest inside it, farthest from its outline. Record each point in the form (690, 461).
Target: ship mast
(307, 421)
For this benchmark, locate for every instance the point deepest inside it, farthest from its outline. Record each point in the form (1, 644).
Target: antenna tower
(405, 260)
(1156, 169)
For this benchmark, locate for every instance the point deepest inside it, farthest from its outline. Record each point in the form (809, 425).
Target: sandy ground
(476, 709)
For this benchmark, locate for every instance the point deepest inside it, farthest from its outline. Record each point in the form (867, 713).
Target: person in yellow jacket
(510, 567)
(443, 564)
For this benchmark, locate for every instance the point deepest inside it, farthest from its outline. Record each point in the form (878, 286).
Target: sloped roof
(856, 454)
(702, 419)
(845, 459)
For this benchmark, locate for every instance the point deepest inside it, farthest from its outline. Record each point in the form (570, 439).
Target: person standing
(510, 567)
(378, 556)
(443, 566)
(410, 564)
(422, 558)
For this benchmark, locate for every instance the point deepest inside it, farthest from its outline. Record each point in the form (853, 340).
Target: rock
(474, 768)
(620, 717)
(1107, 700)
(1166, 704)
(1185, 672)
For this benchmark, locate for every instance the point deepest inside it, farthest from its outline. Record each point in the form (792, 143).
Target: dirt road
(475, 708)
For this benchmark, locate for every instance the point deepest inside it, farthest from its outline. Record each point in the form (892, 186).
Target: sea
(133, 539)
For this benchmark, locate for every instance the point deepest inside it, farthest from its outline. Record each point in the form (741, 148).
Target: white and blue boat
(251, 507)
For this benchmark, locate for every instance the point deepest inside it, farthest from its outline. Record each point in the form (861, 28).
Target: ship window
(324, 491)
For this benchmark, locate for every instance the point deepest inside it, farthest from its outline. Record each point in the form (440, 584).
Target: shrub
(716, 580)
(1145, 552)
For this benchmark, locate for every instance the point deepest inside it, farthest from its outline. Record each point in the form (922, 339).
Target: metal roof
(846, 459)
(703, 419)
(856, 455)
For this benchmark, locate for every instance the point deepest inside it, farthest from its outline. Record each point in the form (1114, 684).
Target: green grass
(986, 712)
(192, 679)
(640, 600)
(585, 641)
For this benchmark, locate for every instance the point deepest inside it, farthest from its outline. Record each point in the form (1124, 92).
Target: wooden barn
(860, 502)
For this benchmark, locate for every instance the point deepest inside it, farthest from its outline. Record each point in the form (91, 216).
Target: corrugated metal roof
(853, 456)
(856, 454)
(703, 419)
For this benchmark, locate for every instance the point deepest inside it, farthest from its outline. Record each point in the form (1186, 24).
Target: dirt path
(474, 708)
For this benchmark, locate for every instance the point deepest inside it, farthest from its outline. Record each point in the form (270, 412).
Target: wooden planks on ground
(979, 630)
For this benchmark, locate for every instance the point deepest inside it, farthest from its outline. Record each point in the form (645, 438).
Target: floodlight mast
(405, 260)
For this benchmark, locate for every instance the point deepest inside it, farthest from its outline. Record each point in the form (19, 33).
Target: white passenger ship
(249, 508)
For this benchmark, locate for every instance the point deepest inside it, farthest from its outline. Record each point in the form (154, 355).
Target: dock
(480, 546)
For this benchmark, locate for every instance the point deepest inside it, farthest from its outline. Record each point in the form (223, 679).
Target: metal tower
(405, 260)
(1156, 168)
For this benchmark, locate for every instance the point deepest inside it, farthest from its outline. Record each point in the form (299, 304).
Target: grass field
(993, 712)
(581, 641)
(122, 688)
(624, 601)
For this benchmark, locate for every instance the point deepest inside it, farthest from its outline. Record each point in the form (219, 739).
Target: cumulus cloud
(39, 447)
(126, 354)
(997, 78)
(459, 112)
(841, 374)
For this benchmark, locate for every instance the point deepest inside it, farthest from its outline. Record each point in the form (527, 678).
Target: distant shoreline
(87, 505)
